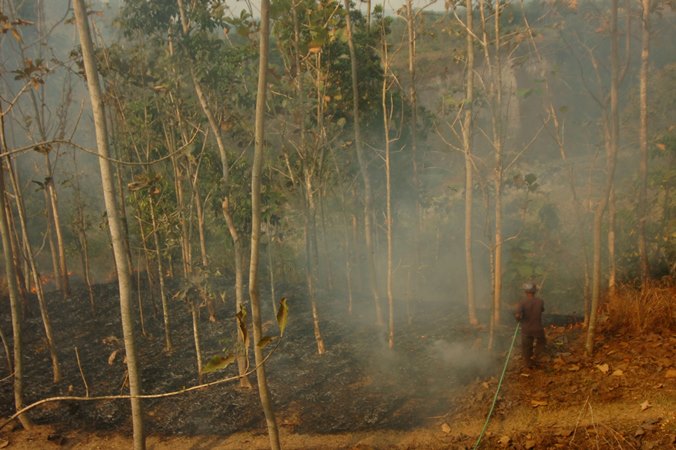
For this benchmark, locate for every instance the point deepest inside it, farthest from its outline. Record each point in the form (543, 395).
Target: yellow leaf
(536, 403)
(16, 34)
(603, 368)
(645, 405)
(282, 315)
(218, 362)
(265, 340)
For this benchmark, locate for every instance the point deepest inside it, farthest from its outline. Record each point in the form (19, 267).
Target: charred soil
(433, 390)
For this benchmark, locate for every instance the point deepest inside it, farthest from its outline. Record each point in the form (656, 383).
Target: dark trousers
(532, 346)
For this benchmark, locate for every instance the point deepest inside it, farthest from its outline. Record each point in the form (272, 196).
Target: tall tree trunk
(467, 141)
(413, 275)
(256, 169)
(363, 169)
(611, 157)
(643, 143)
(114, 221)
(388, 208)
(10, 274)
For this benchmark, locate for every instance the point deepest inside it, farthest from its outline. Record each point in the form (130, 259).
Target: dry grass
(638, 311)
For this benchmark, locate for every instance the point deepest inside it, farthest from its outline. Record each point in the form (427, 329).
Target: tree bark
(611, 157)
(114, 221)
(39, 291)
(643, 144)
(363, 169)
(242, 355)
(467, 141)
(15, 306)
(256, 169)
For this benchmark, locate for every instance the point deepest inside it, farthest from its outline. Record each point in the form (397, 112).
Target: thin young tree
(467, 143)
(256, 170)
(643, 144)
(12, 286)
(114, 222)
(611, 158)
(363, 168)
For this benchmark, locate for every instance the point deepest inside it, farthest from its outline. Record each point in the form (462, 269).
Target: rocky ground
(433, 391)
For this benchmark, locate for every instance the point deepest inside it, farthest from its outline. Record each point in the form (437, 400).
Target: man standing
(529, 313)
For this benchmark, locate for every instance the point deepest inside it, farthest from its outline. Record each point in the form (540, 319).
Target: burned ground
(437, 384)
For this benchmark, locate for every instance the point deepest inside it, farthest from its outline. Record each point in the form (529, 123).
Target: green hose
(497, 391)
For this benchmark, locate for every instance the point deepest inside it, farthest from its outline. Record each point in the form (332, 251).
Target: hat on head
(530, 287)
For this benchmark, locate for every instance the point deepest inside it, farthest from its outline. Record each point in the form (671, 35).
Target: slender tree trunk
(242, 356)
(467, 140)
(28, 252)
(166, 316)
(310, 259)
(194, 313)
(611, 158)
(61, 248)
(643, 143)
(612, 258)
(10, 274)
(388, 207)
(8, 355)
(259, 136)
(413, 275)
(363, 168)
(114, 220)
(271, 268)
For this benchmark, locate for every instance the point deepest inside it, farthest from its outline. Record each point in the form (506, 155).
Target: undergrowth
(639, 311)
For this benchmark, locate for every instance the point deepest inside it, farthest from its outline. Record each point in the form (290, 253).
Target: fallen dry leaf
(111, 358)
(618, 373)
(536, 403)
(574, 368)
(446, 428)
(671, 373)
(645, 405)
(505, 441)
(4, 443)
(530, 444)
(603, 368)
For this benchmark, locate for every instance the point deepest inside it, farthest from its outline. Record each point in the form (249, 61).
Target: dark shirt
(529, 312)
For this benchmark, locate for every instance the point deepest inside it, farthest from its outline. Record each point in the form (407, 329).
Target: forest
(307, 223)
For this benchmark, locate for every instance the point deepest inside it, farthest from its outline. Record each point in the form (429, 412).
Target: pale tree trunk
(311, 258)
(612, 265)
(611, 157)
(643, 143)
(195, 313)
(114, 222)
(80, 225)
(28, 254)
(61, 248)
(12, 287)
(8, 355)
(388, 208)
(413, 275)
(242, 354)
(363, 168)
(259, 136)
(166, 317)
(467, 141)
(495, 95)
